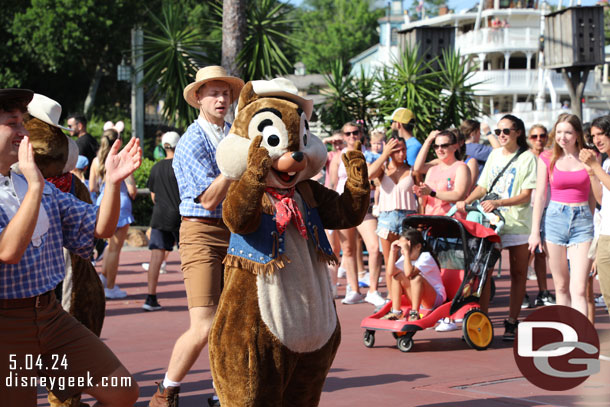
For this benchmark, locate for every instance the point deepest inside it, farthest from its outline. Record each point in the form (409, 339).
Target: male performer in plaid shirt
(39, 341)
(203, 236)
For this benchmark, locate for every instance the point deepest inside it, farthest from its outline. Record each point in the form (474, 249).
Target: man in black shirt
(87, 145)
(165, 220)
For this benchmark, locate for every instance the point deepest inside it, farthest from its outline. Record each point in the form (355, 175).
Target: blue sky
(462, 4)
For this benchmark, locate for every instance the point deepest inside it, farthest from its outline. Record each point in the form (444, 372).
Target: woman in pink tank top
(568, 224)
(396, 199)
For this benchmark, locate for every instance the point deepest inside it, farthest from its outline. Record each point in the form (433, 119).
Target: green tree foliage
(334, 113)
(268, 44)
(173, 51)
(440, 99)
(351, 97)
(66, 42)
(335, 29)
(456, 98)
(411, 83)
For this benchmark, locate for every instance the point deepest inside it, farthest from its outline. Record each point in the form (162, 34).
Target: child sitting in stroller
(418, 273)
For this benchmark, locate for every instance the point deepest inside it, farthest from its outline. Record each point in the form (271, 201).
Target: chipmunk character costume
(276, 330)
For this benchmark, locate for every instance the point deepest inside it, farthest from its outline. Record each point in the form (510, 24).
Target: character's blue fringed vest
(262, 251)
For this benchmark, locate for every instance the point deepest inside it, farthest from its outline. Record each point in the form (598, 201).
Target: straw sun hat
(212, 73)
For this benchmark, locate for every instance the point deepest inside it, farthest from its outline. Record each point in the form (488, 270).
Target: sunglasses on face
(443, 146)
(500, 131)
(537, 136)
(352, 133)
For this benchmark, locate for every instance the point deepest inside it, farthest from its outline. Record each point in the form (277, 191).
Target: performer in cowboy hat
(203, 236)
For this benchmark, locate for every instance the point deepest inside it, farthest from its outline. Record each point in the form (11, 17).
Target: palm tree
(411, 83)
(267, 39)
(173, 51)
(457, 100)
(233, 34)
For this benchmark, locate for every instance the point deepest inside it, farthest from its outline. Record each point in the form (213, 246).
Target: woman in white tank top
(352, 134)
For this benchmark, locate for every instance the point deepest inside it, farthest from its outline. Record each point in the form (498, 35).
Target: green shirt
(519, 176)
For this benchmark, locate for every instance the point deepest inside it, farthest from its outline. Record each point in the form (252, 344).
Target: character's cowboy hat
(46, 109)
(283, 88)
(212, 73)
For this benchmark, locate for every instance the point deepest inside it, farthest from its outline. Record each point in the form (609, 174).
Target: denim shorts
(566, 225)
(391, 221)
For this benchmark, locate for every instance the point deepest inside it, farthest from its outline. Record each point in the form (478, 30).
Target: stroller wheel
(477, 329)
(404, 343)
(369, 338)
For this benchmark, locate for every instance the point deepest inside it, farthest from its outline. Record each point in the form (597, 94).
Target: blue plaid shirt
(71, 225)
(195, 168)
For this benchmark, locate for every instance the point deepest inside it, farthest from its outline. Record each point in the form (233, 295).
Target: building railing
(488, 40)
(522, 81)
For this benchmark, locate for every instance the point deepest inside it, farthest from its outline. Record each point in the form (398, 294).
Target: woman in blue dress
(128, 192)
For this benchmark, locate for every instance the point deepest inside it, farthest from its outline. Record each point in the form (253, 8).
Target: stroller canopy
(446, 226)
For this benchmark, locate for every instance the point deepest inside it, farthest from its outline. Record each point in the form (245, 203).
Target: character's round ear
(246, 96)
(232, 156)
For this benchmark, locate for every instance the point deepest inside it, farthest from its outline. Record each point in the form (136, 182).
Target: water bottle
(449, 184)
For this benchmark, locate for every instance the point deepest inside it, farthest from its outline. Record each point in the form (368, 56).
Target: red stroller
(467, 251)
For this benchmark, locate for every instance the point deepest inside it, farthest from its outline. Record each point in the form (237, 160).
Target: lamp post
(137, 92)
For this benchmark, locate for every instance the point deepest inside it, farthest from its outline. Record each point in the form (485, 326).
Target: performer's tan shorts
(203, 247)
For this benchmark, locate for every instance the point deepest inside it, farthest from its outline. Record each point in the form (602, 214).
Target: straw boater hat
(212, 73)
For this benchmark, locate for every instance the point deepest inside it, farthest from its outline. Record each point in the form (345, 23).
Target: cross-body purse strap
(493, 184)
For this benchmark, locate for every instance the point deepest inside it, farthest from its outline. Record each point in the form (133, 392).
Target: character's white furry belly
(296, 302)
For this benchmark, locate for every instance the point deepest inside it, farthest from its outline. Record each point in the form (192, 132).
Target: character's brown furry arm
(348, 209)
(242, 208)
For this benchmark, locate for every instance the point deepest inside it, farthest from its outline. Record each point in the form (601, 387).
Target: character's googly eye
(273, 140)
(266, 127)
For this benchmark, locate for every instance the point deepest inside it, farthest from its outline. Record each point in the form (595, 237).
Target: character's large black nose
(297, 156)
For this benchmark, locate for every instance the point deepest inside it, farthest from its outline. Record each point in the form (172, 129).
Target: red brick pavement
(441, 370)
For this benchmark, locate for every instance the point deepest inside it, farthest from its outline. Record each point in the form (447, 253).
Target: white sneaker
(353, 297)
(531, 274)
(114, 293)
(163, 270)
(341, 272)
(374, 298)
(599, 301)
(103, 280)
(446, 325)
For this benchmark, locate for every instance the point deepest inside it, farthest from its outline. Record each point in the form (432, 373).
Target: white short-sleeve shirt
(429, 270)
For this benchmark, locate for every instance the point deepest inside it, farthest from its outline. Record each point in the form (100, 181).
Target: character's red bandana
(63, 182)
(287, 209)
